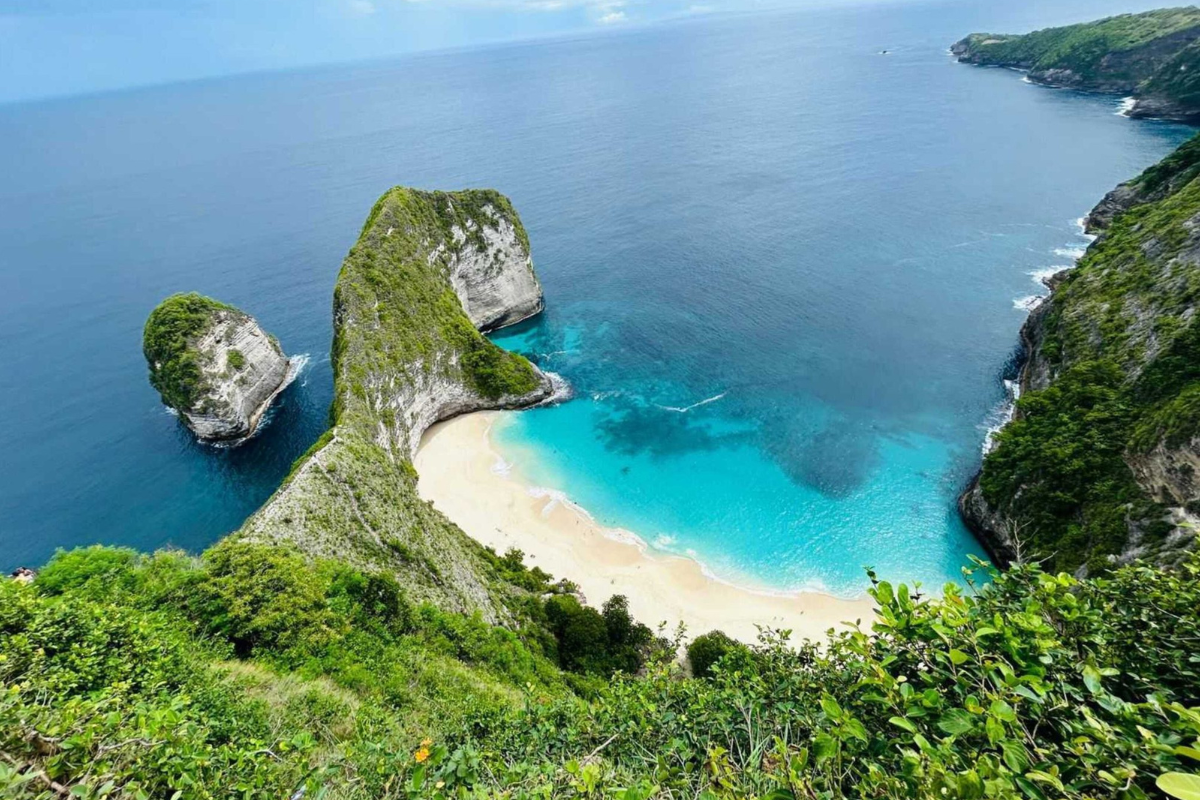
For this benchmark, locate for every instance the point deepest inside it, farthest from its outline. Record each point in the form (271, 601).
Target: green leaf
(1180, 785)
(901, 722)
(970, 787)
(1091, 679)
(1190, 752)
(1014, 756)
(957, 721)
(831, 707)
(824, 747)
(958, 657)
(1047, 778)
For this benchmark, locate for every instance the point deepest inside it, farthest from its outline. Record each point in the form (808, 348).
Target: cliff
(429, 270)
(1151, 56)
(214, 365)
(1098, 464)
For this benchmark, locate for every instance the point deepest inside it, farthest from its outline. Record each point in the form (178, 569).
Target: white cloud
(361, 8)
(611, 17)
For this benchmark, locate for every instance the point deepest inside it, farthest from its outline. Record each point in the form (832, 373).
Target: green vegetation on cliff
(405, 354)
(1151, 55)
(1118, 346)
(256, 672)
(168, 343)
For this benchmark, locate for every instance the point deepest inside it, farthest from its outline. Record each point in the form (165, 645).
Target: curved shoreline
(455, 464)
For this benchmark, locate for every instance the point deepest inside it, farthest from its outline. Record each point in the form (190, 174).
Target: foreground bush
(130, 676)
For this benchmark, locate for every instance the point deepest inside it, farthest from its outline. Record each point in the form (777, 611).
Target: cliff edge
(428, 272)
(1099, 464)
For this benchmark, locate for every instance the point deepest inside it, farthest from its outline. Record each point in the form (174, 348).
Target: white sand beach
(456, 464)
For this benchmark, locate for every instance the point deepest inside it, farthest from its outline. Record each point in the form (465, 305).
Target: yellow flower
(421, 754)
(427, 743)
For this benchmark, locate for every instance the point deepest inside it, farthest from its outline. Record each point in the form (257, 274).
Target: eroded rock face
(492, 273)
(1171, 474)
(240, 388)
(214, 365)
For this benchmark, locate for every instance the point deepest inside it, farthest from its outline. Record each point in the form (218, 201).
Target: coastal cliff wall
(1151, 56)
(1098, 465)
(429, 270)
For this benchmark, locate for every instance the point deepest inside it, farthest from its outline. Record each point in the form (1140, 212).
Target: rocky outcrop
(989, 525)
(1160, 181)
(214, 365)
(1115, 203)
(429, 271)
(1171, 474)
(1162, 107)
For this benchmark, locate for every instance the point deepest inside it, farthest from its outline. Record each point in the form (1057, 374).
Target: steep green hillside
(1100, 461)
(405, 355)
(256, 672)
(1150, 55)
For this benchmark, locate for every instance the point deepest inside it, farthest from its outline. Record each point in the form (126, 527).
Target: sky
(64, 47)
(61, 47)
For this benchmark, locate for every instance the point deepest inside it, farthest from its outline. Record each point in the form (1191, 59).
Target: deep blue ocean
(782, 272)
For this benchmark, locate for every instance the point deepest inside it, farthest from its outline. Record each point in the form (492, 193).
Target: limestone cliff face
(241, 388)
(429, 272)
(1099, 463)
(492, 273)
(214, 365)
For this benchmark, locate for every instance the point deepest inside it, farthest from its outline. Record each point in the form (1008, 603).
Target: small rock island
(213, 364)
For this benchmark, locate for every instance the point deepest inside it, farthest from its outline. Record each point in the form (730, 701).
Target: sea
(786, 256)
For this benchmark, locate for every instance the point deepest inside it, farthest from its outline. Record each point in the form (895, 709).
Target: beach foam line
(455, 465)
(1125, 106)
(1028, 303)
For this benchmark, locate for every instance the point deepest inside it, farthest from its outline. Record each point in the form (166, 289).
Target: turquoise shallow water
(763, 212)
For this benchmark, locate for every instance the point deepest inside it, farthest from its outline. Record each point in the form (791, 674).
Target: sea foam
(1001, 415)
(685, 409)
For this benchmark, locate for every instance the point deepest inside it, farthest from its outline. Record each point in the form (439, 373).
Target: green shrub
(262, 598)
(168, 344)
(1035, 686)
(599, 642)
(709, 649)
(236, 359)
